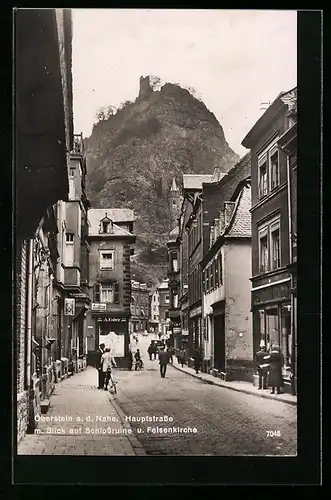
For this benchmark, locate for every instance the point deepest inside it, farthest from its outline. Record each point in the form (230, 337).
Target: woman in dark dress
(275, 377)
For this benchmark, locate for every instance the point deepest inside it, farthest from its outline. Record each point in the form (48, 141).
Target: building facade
(43, 131)
(139, 321)
(111, 241)
(174, 288)
(154, 312)
(164, 304)
(271, 278)
(288, 143)
(226, 267)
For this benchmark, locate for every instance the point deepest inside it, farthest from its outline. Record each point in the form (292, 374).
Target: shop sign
(196, 312)
(99, 306)
(177, 331)
(272, 293)
(184, 332)
(69, 307)
(109, 319)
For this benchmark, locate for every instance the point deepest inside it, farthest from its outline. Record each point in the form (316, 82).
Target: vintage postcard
(156, 232)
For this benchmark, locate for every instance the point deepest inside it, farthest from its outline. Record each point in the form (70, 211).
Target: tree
(101, 114)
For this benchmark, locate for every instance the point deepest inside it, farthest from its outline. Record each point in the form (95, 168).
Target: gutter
(29, 314)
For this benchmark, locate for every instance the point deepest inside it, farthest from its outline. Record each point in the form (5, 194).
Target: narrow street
(227, 422)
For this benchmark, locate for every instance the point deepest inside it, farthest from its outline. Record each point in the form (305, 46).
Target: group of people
(269, 364)
(104, 363)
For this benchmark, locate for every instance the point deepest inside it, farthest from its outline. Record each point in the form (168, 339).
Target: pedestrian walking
(275, 378)
(163, 361)
(130, 360)
(170, 355)
(107, 362)
(181, 357)
(159, 335)
(150, 351)
(197, 360)
(139, 362)
(154, 350)
(262, 365)
(100, 352)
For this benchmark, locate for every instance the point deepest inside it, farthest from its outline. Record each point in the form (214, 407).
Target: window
(70, 238)
(275, 248)
(220, 269)
(105, 227)
(107, 293)
(263, 242)
(269, 173)
(263, 179)
(272, 326)
(72, 172)
(217, 272)
(274, 169)
(174, 262)
(167, 298)
(269, 246)
(107, 259)
(207, 279)
(69, 250)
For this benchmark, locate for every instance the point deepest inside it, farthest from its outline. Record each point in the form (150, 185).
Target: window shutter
(97, 292)
(116, 293)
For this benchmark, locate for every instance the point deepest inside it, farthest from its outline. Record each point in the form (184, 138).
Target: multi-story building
(288, 143)
(43, 131)
(71, 292)
(111, 241)
(154, 313)
(271, 279)
(226, 267)
(164, 304)
(139, 307)
(174, 290)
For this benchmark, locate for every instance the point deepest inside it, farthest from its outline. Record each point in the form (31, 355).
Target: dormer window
(106, 225)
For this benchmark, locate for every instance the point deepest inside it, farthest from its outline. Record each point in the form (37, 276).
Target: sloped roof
(94, 230)
(115, 214)
(240, 222)
(195, 181)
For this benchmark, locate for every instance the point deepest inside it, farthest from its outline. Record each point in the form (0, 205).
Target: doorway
(219, 342)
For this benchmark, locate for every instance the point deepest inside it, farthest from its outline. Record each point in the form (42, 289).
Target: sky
(234, 59)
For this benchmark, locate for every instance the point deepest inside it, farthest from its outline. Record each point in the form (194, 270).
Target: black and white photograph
(155, 301)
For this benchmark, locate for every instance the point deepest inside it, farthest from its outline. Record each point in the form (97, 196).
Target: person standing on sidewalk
(275, 379)
(163, 361)
(197, 360)
(99, 365)
(130, 360)
(181, 357)
(262, 366)
(107, 362)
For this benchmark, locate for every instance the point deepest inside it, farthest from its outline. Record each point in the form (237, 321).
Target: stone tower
(175, 202)
(145, 88)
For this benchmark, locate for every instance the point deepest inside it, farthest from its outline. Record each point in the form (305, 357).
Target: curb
(134, 441)
(251, 393)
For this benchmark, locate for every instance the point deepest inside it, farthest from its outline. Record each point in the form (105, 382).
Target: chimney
(228, 210)
(221, 221)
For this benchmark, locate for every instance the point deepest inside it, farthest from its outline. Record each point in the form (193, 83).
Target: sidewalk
(237, 386)
(81, 420)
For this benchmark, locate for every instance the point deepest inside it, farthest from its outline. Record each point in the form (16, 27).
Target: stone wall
(22, 414)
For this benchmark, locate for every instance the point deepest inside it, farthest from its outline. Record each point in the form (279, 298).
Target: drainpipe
(29, 314)
(291, 261)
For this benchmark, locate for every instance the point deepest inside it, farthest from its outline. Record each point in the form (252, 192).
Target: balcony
(78, 145)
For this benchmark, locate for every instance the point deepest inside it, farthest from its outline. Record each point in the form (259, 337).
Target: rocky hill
(133, 154)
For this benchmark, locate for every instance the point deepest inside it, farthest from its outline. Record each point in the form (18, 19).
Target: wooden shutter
(97, 292)
(116, 293)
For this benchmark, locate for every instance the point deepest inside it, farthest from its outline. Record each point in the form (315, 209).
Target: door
(219, 342)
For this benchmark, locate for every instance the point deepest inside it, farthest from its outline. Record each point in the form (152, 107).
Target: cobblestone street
(91, 425)
(227, 422)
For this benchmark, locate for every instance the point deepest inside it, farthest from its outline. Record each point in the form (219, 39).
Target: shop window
(286, 338)
(272, 326)
(107, 259)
